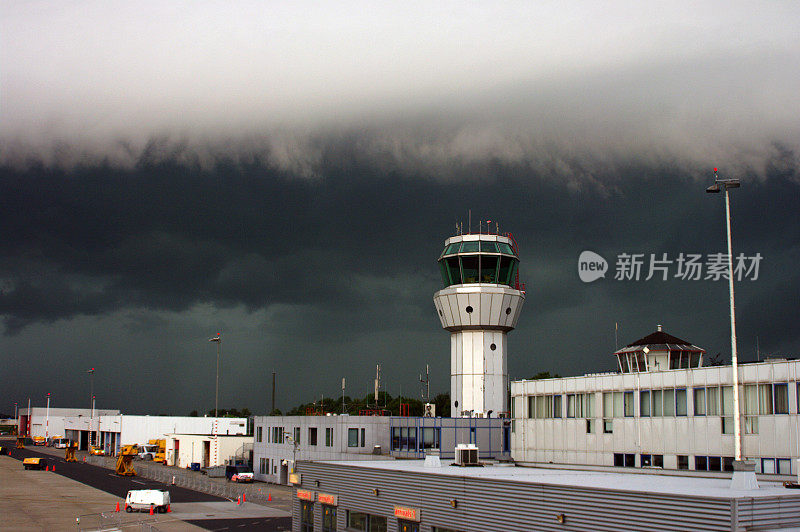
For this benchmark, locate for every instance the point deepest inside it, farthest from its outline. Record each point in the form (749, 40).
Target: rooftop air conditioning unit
(467, 455)
(430, 410)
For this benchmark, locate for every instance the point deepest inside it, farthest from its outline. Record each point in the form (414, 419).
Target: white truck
(146, 499)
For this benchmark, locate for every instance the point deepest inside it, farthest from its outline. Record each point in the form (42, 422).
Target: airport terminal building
(663, 409)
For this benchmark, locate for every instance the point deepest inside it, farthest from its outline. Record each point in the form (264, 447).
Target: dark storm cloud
(286, 174)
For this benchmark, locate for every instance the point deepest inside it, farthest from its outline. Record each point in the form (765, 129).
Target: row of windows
(478, 269)
(405, 438)
(280, 435)
(550, 406)
(478, 246)
(780, 466)
(758, 400)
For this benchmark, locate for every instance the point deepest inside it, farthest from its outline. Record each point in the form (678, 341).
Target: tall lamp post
(218, 340)
(744, 476)
(91, 404)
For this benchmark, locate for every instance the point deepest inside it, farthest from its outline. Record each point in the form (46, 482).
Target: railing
(114, 521)
(193, 480)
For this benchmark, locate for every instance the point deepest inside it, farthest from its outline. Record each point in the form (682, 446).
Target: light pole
(218, 339)
(47, 420)
(743, 471)
(91, 398)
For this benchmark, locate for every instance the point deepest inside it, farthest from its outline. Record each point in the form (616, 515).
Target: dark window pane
(683, 462)
(505, 270)
(714, 463)
(505, 248)
(658, 460)
(619, 459)
(445, 276)
(489, 268)
(469, 265)
(630, 460)
(454, 270)
(489, 247)
(469, 247)
(452, 248)
(513, 274)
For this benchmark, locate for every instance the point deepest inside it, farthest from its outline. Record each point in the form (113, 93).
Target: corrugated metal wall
(504, 505)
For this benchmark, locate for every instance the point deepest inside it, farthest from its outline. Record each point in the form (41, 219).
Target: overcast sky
(286, 174)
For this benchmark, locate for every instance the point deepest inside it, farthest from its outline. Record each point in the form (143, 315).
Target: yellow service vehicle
(96, 451)
(125, 460)
(39, 440)
(161, 453)
(69, 453)
(34, 463)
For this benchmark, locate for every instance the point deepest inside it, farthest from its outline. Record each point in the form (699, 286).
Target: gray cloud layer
(286, 174)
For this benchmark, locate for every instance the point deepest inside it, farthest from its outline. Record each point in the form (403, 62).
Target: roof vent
(659, 328)
(467, 455)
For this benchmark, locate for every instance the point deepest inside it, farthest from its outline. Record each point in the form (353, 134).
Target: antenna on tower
(469, 225)
(377, 382)
(427, 382)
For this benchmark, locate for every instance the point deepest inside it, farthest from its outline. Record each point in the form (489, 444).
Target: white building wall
(55, 423)
(272, 461)
(191, 448)
(565, 440)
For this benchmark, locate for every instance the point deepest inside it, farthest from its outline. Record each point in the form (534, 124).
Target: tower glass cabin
(479, 304)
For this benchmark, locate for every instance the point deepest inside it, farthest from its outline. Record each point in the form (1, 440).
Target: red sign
(409, 514)
(327, 498)
(305, 495)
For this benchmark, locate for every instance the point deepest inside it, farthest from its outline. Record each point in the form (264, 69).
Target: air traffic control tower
(479, 305)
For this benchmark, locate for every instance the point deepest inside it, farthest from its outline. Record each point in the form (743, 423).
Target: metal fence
(192, 480)
(113, 521)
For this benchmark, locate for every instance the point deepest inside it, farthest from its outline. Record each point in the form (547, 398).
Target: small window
(645, 460)
(312, 436)
(629, 404)
(489, 247)
(699, 401)
(407, 526)
(680, 402)
(658, 460)
(352, 437)
(329, 437)
(608, 426)
(619, 460)
(589, 427)
(644, 403)
(630, 460)
(505, 248)
(714, 463)
(683, 461)
(781, 398)
(363, 436)
(701, 463)
(470, 247)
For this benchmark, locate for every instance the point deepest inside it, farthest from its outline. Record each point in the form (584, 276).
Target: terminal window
(312, 435)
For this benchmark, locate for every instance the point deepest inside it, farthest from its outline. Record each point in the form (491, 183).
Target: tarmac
(44, 500)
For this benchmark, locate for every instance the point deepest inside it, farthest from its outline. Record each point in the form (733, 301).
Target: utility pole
(218, 340)
(427, 382)
(343, 384)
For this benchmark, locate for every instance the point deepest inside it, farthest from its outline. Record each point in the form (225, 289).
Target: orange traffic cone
(53, 468)
(169, 510)
(244, 497)
(117, 510)
(151, 509)
(269, 497)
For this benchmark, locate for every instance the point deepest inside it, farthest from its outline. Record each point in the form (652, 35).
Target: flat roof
(634, 482)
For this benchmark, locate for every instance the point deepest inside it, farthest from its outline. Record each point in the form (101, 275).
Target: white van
(144, 499)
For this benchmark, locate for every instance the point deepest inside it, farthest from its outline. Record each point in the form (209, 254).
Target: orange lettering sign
(326, 498)
(305, 495)
(411, 514)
